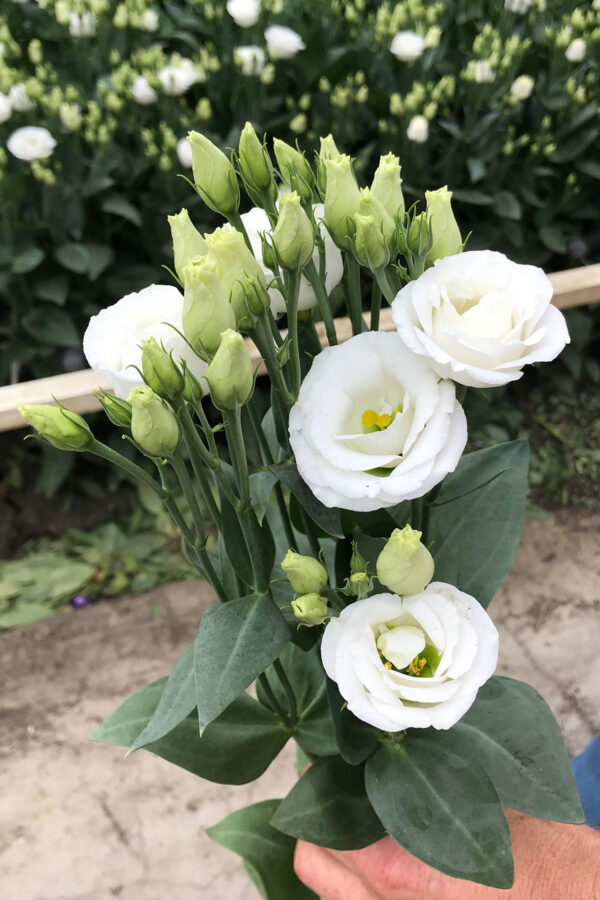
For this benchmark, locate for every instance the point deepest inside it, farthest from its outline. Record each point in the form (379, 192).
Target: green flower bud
(370, 206)
(369, 243)
(445, 233)
(405, 565)
(255, 162)
(206, 308)
(214, 175)
(310, 609)
(419, 235)
(328, 148)
(342, 198)
(305, 573)
(387, 185)
(289, 160)
(257, 296)
(160, 371)
(234, 264)
(293, 235)
(153, 423)
(117, 410)
(229, 375)
(188, 243)
(58, 426)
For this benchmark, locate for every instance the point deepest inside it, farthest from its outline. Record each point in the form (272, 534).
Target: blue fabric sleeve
(586, 769)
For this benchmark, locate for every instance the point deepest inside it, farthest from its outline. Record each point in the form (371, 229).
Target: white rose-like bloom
(250, 58)
(576, 50)
(479, 318)
(142, 91)
(442, 626)
(373, 379)
(30, 142)
(112, 341)
(184, 153)
(256, 222)
(522, 87)
(244, 13)
(418, 129)
(483, 72)
(149, 20)
(19, 99)
(407, 46)
(6, 108)
(518, 6)
(283, 42)
(83, 25)
(178, 78)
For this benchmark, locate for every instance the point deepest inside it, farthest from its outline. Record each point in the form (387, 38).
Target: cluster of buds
(308, 578)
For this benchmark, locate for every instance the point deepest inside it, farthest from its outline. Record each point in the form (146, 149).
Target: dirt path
(77, 822)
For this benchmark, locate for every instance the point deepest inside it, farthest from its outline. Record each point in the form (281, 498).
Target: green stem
(353, 294)
(264, 342)
(237, 449)
(273, 701)
(375, 305)
(310, 271)
(191, 440)
(288, 690)
(117, 459)
(384, 287)
(236, 220)
(210, 436)
(190, 494)
(274, 328)
(308, 530)
(292, 285)
(416, 509)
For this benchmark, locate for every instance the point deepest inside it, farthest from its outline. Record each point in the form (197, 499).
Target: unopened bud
(371, 206)
(117, 410)
(369, 243)
(290, 160)
(445, 233)
(160, 370)
(234, 264)
(305, 573)
(257, 296)
(293, 235)
(188, 243)
(207, 311)
(229, 375)
(328, 151)
(342, 198)
(405, 565)
(153, 423)
(214, 175)
(58, 426)
(310, 609)
(387, 185)
(255, 162)
(419, 235)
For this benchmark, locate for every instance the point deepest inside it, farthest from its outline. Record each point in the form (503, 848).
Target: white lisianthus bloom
(19, 99)
(113, 338)
(483, 72)
(518, 6)
(178, 78)
(418, 129)
(256, 222)
(282, 42)
(576, 50)
(407, 46)
(522, 87)
(411, 662)
(31, 143)
(373, 425)
(244, 13)
(142, 91)
(479, 318)
(6, 108)
(250, 58)
(184, 153)
(83, 25)
(149, 20)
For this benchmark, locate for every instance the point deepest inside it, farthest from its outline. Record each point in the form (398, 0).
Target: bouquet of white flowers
(321, 518)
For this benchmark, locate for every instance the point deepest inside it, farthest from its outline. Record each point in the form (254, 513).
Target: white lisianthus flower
(149, 20)
(83, 25)
(256, 222)
(178, 78)
(244, 13)
(250, 58)
(407, 46)
(483, 72)
(282, 42)
(6, 108)
(479, 318)
(31, 143)
(411, 662)
(113, 338)
(418, 129)
(518, 6)
(184, 153)
(522, 87)
(576, 50)
(373, 425)
(19, 99)
(142, 91)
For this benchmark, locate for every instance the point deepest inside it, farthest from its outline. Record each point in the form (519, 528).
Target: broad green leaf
(176, 703)
(100, 257)
(74, 257)
(51, 326)
(511, 731)
(553, 238)
(236, 641)
(53, 289)
(476, 519)
(328, 806)
(261, 485)
(27, 260)
(131, 717)
(507, 205)
(267, 853)
(120, 206)
(477, 198)
(327, 519)
(24, 614)
(356, 740)
(441, 808)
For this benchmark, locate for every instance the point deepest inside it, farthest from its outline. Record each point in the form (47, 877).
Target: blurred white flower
(250, 58)
(244, 13)
(483, 72)
(522, 87)
(31, 143)
(282, 42)
(142, 91)
(149, 20)
(418, 129)
(83, 25)
(19, 99)
(518, 6)
(5, 108)
(184, 153)
(407, 46)
(178, 77)
(575, 52)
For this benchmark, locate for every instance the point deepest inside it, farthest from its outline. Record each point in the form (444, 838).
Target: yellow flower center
(374, 421)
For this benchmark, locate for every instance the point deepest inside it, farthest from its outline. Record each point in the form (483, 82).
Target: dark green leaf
(261, 485)
(356, 740)
(27, 260)
(477, 198)
(507, 205)
(120, 206)
(123, 726)
(51, 326)
(176, 703)
(553, 238)
(328, 519)
(328, 806)
(267, 853)
(572, 147)
(589, 167)
(74, 257)
(53, 289)
(441, 808)
(235, 545)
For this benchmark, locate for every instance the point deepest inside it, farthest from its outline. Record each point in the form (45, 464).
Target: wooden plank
(573, 287)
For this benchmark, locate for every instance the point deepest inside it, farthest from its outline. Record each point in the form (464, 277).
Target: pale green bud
(342, 198)
(293, 235)
(371, 206)
(419, 235)
(310, 609)
(305, 573)
(328, 151)
(257, 296)
(117, 410)
(229, 375)
(235, 263)
(290, 159)
(153, 423)
(206, 308)
(387, 185)
(405, 565)
(58, 426)
(214, 175)
(255, 161)
(188, 243)
(160, 371)
(445, 233)
(369, 243)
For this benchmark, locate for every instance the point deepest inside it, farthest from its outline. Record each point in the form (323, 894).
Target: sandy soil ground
(77, 822)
